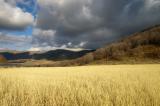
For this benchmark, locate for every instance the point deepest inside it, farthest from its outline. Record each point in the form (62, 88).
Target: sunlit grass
(114, 85)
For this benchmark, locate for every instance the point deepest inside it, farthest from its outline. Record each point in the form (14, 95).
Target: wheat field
(112, 85)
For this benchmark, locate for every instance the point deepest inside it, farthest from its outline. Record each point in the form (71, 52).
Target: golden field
(112, 85)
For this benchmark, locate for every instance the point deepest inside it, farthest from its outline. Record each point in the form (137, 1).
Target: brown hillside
(141, 46)
(2, 59)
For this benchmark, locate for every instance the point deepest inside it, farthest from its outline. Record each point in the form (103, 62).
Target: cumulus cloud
(93, 23)
(12, 17)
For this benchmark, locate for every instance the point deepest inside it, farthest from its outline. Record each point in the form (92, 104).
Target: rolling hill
(2, 59)
(60, 54)
(141, 47)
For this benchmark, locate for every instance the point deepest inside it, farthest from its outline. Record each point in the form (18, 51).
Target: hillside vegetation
(2, 59)
(120, 85)
(140, 47)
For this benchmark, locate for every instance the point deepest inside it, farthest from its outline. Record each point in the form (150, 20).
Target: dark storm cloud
(93, 23)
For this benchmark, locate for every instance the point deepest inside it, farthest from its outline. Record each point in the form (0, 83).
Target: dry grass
(120, 85)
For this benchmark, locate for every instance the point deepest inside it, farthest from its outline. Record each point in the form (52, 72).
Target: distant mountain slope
(55, 55)
(141, 46)
(60, 54)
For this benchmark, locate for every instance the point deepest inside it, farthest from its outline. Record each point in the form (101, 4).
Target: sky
(60, 24)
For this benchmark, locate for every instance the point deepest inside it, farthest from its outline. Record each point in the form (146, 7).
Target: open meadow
(110, 85)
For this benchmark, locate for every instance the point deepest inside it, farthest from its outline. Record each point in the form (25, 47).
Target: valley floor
(104, 85)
